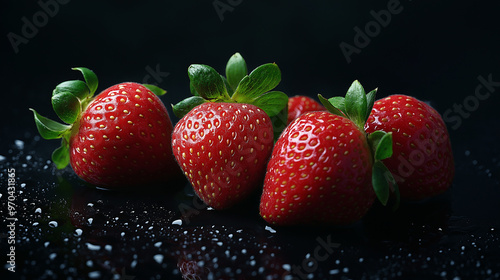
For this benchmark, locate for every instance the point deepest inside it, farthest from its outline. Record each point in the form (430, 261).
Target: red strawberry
(299, 104)
(321, 167)
(225, 136)
(423, 160)
(118, 139)
(223, 149)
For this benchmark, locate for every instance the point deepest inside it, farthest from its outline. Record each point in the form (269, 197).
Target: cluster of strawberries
(318, 163)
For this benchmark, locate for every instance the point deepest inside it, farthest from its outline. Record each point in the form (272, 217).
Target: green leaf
(207, 82)
(338, 102)
(263, 79)
(380, 182)
(329, 106)
(67, 106)
(155, 89)
(182, 108)
(355, 104)
(236, 69)
(78, 88)
(280, 122)
(370, 100)
(381, 143)
(48, 128)
(229, 90)
(272, 102)
(60, 156)
(90, 78)
(192, 89)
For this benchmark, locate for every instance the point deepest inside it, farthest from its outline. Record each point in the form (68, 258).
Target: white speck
(46, 244)
(158, 244)
(78, 232)
(210, 208)
(345, 270)
(122, 234)
(95, 275)
(108, 248)
(334, 271)
(89, 263)
(29, 157)
(53, 224)
(23, 185)
(93, 247)
(90, 204)
(200, 263)
(253, 262)
(443, 274)
(220, 243)
(361, 260)
(35, 224)
(230, 235)
(463, 248)
(270, 229)
(2, 158)
(133, 264)
(38, 210)
(158, 258)
(243, 251)
(19, 144)
(177, 222)
(52, 256)
(287, 267)
(90, 220)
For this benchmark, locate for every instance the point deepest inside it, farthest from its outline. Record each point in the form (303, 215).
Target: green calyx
(357, 106)
(207, 85)
(69, 100)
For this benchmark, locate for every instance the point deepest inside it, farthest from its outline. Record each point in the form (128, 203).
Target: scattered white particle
(463, 248)
(345, 270)
(133, 263)
(90, 204)
(29, 157)
(270, 229)
(220, 243)
(253, 262)
(361, 260)
(78, 232)
(334, 271)
(200, 263)
(38, 210)
(158, 244)
(239, 231)
(52, 256)
(443, 274)
(108, 248)
(230, 235)
(2, 158)
(177, 222)
(90, 220)
(243, 251)
(93, 247)
(19, 144)
(158, 258)
(287, 267)
(94, 275)
(46, 244)
(53, 224)
(122, 234)
(89, 263)
(23, 185)
(35, 224)
(210, 208)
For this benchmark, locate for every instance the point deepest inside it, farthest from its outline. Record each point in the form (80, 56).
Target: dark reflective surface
(68, 230)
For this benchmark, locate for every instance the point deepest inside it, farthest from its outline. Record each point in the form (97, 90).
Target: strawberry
(423, 160)
(299, 104)
(225, 135)
(322, 168)
(118, 139)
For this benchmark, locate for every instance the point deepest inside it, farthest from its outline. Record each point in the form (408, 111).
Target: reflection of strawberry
(423, 161)
(225, 135)
(119, 138)
(321, 167)
(299, 104)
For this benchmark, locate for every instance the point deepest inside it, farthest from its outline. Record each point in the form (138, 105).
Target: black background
(433, 50)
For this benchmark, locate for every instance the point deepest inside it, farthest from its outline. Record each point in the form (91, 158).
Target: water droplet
(2, 158)
(29, 157)
(90, 220)
(467, 153)
(270, 229)
(19, 144)
(95, 275)
(38, 210)
(93, 247)
(52, 256)
(334, 271)
(177, 222)
(53, 224)
(108, 248)
(158, 258)
(158, 244)
(78, 232)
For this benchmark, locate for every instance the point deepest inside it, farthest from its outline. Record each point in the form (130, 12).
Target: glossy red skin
(299, 104)
(223, 150)
(422, 161)
(319, 173)
(123, 139)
